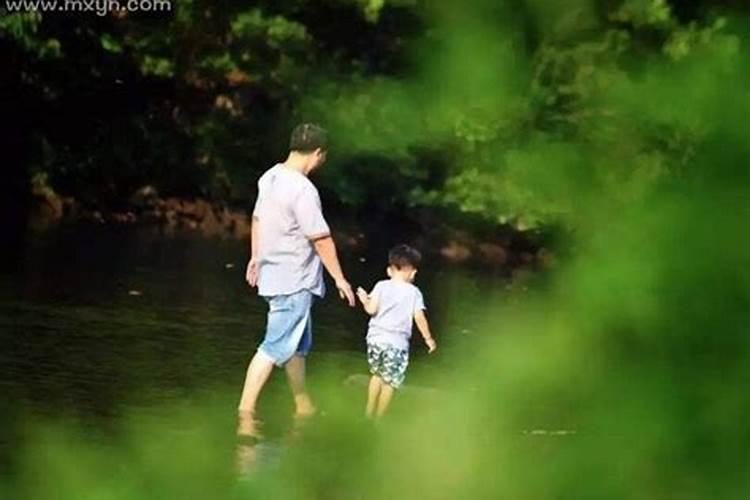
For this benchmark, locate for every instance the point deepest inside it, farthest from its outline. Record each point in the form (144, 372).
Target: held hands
(345, 291)
(362, 296)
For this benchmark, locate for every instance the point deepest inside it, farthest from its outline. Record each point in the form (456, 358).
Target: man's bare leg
(295, 372)
(373, 392)
(386, 393)
(258, 371)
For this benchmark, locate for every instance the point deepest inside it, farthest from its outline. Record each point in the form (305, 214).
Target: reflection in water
(253, 457)
(254, 452)
(247, 459)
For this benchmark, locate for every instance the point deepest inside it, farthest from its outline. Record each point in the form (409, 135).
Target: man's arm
(309, 215)
(326, 249)
(424, 328)
(251, 273)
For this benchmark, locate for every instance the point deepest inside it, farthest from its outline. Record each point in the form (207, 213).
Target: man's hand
(431, 345)
(345, 291)
(251, 273)
(326, 250)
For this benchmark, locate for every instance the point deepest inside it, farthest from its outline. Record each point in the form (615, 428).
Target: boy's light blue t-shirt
(289, 214)
(398, 302)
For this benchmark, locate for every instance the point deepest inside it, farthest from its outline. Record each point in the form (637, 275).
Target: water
(97, 320)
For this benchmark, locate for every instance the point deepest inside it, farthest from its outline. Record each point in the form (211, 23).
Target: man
(290, 245)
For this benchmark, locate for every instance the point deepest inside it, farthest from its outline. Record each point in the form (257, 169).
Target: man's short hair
(402, 256)
(307, 137)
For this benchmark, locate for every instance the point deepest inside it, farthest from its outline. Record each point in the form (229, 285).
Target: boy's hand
(431, 345)
(362, 295)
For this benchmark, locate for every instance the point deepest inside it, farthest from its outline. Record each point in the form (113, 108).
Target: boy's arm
(251, 273)
(369, 302)
(326, 249)
(424, 328)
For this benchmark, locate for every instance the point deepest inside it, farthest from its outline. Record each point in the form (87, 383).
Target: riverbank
(497, 246)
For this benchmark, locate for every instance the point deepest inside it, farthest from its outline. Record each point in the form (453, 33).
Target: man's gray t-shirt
(398, 302)
(289, 214)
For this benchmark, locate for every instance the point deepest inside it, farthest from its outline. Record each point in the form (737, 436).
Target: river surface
(96, 320)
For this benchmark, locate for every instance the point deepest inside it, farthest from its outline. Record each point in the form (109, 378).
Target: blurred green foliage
(522, 104)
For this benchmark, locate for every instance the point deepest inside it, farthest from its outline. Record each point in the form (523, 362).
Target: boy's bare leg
(373, 391)
(295, 372)
(386, 393)
(258, 371)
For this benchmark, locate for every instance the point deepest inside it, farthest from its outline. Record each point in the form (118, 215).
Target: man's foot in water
(247, 425)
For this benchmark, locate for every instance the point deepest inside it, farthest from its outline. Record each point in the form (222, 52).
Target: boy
(393, 305)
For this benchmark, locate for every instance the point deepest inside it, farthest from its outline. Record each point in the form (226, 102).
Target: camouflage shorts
(388, 363)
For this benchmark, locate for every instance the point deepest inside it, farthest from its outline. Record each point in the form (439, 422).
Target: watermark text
(98, 7)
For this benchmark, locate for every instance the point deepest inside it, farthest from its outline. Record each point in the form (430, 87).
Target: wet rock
(146, 197)
(238, 225)
(71, 208)
(172, 205)
(456, 252)
(492, 253)
(210, 225)
(48, 204)
(170, 218)
(156, 216)
(94, 216)
(201, 209)
(122, 217)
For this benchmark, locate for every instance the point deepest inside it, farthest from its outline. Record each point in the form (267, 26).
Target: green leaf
(110, 44)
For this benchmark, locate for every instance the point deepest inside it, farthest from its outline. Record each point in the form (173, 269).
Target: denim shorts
(289, 327)
(388, 362)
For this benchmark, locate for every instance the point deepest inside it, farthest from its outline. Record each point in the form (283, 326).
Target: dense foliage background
(461, 106)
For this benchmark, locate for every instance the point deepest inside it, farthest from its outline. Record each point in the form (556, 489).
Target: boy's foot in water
(304, 407)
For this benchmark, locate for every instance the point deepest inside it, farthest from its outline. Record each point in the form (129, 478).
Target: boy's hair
(307, 137)
(402, 256)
